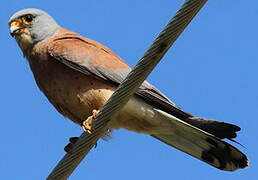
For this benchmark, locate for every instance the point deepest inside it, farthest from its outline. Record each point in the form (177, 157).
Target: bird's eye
(27, 19)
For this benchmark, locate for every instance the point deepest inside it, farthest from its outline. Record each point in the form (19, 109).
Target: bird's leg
(87, 124)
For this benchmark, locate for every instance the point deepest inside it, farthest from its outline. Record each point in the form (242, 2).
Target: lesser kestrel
(78, 75)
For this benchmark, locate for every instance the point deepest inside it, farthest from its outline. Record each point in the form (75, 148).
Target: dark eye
(28, 18)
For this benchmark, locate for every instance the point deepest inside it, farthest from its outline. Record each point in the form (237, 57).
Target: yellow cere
(15, 24)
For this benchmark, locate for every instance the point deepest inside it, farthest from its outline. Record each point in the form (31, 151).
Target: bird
(78, 75)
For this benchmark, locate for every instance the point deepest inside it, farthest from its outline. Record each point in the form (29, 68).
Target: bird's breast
(72, 93)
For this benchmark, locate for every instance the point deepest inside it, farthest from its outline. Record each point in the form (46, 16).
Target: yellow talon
(87, 124)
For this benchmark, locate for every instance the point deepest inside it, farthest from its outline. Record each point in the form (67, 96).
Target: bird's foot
(72, 141)
(87, 124)
(69, 146)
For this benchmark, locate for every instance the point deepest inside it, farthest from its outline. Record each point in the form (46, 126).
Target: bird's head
(30, 26)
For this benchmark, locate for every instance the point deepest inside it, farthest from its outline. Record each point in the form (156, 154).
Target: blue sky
(212, 72)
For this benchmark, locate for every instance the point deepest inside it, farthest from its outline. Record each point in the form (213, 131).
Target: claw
(87, 124)
(73, 140)
(69, 146)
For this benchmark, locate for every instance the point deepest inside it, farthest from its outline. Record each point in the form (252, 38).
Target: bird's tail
(202, 145)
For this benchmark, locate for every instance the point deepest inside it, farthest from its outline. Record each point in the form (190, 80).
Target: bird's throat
(25, 42)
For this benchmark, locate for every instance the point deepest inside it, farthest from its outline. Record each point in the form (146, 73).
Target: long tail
(202, 145)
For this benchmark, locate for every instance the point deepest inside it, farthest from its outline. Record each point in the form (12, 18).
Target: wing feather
(87, 56)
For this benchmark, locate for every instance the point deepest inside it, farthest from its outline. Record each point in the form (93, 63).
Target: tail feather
(219, 129)
(202, 145)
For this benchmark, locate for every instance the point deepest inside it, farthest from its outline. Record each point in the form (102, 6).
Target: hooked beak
(15, 27)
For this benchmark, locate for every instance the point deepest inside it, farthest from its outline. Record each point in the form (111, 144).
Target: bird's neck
(25, 42)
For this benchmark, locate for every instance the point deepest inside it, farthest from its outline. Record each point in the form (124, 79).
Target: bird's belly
(76, 98)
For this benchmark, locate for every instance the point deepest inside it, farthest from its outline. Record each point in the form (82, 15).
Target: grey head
(31, 26)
